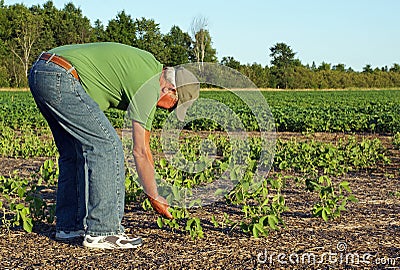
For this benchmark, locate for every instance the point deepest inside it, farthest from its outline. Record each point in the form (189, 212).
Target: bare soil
(367, 236)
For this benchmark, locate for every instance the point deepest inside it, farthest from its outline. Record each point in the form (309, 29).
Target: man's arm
(145, 168)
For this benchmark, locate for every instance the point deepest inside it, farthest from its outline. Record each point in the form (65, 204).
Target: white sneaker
(69, 235)
(111, 241)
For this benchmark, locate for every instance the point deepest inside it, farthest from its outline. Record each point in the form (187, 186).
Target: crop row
(325, 111)
(261, 200)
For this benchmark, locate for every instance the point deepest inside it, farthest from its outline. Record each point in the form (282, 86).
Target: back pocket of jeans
(48, 86)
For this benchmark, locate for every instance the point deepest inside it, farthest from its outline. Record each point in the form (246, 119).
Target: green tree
(257, 74)
(339, 67)
(230, 62)
(283, 63)
(46, 39)
(4, 74)
(66, 26)
(395, 68)
(324, 66)
(23, 31)
(148, 37)
(303, 78)
(367, 69)
(282, 55)
(52, 19)
(177, 47)
(121, 29)
(98, 31)
(75, 28)
(313, 66)
(5, 80)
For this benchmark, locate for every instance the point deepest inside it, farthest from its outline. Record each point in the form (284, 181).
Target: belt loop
(40, 56)
(70, 70)
(51, 57)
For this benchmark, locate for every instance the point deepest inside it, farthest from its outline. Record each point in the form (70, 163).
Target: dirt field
(367, 236)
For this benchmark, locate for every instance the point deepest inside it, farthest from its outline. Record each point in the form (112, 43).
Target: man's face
(168, 97)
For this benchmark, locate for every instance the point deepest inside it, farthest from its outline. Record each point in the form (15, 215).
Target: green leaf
(255, 231)
(214, 221)
(189, 223)
(272, 221)
(261, 220)
(27, 225)
(352, 198)
(160, 222)
(233, 175)
(345, 185)
(219, 192)
(194, 202)
(283, 165)
(21, 192)
(163, 162)
(24, 213)
(19, 206)
(324, 215)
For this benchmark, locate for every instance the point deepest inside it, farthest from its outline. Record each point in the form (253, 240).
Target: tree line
(287, 72)
(27, 31)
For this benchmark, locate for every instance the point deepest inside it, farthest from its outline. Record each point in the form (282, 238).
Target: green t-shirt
(113, 73)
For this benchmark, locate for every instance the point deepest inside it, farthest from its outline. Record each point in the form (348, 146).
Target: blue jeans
(91, 184)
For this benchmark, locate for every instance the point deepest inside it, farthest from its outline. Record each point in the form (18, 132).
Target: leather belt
(60, 62)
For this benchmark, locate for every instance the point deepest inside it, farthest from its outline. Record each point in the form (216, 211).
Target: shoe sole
(68, 239)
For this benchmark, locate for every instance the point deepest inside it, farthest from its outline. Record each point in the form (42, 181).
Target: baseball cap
(187, 88)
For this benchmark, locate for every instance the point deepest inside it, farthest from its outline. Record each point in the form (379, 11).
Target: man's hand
(160, 205)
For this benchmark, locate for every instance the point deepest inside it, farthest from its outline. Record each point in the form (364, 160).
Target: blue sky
(352, 32)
